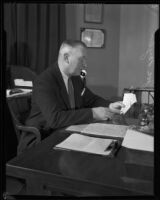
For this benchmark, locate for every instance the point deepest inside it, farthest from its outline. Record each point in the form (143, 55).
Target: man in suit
(57, 99)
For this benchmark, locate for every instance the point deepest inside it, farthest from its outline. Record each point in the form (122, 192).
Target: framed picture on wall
(93, 38)
(93, 13)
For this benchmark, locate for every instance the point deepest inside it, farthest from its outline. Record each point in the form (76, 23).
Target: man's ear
(66, 57)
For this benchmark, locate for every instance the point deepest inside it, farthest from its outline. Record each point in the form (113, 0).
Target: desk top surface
(145, 89)
(129, 169)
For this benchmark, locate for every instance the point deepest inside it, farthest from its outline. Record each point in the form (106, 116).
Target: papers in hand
(128, 100)
(87, 144)
(137, 140)
(100, 129)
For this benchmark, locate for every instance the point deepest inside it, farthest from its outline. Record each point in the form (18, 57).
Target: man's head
(72, 57)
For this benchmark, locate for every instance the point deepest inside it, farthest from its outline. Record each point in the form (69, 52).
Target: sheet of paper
(111, 130)
(100, 129)
(24, 91)
(128, 100)
(138, 140)
(28, 83)
(21, 82)
(87, 144)
(77, 128)
(18, 82)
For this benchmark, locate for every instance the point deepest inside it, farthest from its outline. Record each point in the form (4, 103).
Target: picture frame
(93, 38)
(93, 13)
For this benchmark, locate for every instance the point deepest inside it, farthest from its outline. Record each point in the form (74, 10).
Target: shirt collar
(63, 74)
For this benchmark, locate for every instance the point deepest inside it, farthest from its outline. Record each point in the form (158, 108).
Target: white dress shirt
(65, 78)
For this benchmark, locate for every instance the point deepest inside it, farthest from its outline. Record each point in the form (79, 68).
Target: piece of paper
(76, 128)
(24, 91)
(100, 129)
(87, 144)
(21, 82)
(18, 82)
(128, 100)
(138, 140)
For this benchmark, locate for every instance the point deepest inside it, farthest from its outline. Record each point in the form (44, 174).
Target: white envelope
(128, 100)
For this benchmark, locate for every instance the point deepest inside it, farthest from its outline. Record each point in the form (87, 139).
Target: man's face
(77, 60)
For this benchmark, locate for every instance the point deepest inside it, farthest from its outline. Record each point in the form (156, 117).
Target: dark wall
(103, 63)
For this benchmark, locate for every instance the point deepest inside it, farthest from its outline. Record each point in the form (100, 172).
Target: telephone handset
(83, 77)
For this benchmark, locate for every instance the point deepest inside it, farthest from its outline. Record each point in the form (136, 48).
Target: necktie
(71, 93)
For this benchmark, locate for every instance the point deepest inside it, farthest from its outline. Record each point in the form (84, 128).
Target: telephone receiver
(83, 77)
(83, 74)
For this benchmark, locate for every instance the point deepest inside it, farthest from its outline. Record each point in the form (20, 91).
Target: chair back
(20, 108)
(20, 72)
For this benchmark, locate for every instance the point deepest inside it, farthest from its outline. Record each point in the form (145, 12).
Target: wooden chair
(19, 107)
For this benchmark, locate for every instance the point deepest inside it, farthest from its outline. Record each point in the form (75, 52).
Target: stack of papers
(138, 140)
(87, 144)
(100, 129)
(128, 100)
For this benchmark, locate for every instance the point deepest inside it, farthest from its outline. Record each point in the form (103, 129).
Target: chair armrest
(30, 129)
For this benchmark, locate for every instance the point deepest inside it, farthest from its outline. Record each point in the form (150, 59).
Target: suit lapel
(65, 98)
(62, 86)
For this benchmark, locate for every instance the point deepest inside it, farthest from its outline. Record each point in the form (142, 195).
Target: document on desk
(138, 140)
(100, 129)
(86, 144)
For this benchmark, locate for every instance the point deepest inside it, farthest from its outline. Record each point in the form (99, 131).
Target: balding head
(72, 55)
(68, 45)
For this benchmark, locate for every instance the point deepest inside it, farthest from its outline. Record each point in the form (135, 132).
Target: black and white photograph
(78, 106)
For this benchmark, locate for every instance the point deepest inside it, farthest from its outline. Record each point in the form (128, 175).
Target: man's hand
(101, 113)
(116, 107)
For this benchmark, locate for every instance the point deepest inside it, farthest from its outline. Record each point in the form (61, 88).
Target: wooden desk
(74, 173)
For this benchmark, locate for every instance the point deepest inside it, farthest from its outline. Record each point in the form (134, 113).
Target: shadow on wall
(20, 54)
(107, 92)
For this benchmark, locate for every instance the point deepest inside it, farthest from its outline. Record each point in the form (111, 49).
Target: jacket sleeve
(92, 100)
(48, 99)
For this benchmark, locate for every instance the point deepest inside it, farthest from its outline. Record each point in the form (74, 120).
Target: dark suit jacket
(51, 108)
(50, 102)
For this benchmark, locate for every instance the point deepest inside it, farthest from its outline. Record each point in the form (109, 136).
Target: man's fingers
(117, 111)
(115, 108)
